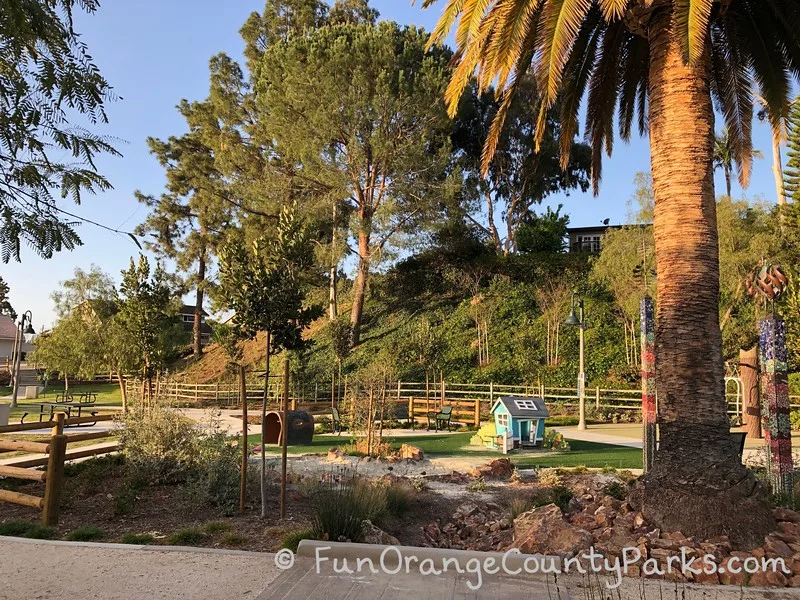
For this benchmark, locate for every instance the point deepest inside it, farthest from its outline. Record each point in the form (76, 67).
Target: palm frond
(613, 9)
(445, 23)
(602, 100)
(472, 15)
(576, 76)
(561, 21)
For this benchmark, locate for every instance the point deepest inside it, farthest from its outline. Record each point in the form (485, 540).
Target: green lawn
(589, 454)
(108, 394)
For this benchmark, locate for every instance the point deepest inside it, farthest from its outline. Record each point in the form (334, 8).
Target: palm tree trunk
(728, 181)
(777, 167)
(697, 457)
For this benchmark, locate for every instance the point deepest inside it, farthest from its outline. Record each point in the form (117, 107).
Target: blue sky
(154, 53)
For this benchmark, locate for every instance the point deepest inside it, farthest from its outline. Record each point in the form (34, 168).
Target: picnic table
(50, 408)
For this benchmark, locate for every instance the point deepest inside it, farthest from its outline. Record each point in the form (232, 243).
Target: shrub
(16, 527)
(549, 477)
(794, 418)
(234, 539)
(339, 510)
(86, 534)
(38, 532)
(159, 442)
(293, 538)
(560, 496)
(138, 539)
(477, 485)
(519, 505)
(191, 536)
(216, 527)
(124, 501)
(615, 489)
(214, 478)
(398, 498)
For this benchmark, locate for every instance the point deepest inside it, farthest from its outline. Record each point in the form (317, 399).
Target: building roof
(189, 310)
(8, 329)
(523, 407)
(593, 229)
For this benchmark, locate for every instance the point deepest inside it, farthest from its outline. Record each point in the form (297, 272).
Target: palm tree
(660, 63)
(725, 156)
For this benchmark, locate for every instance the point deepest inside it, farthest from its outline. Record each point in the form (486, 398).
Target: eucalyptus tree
(661, 64)
(517, 178)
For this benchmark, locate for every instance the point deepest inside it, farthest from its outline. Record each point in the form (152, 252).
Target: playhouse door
(524, 431)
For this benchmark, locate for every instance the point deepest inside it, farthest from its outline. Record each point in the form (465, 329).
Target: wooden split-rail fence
(468, 399)
(55, 451)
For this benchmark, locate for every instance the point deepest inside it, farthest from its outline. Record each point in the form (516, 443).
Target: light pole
(28, 333)
(579, 321)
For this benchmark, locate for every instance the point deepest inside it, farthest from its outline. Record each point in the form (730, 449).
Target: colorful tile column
(648, 328)
(775, 403)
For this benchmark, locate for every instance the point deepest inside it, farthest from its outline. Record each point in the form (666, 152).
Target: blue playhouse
(523, 417)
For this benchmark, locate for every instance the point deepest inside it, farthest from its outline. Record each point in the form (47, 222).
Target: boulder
(499, 468)
(411, 453)
(376, 535)
(544, 530)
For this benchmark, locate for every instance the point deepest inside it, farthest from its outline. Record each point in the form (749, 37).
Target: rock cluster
(611, 526)
(472, 527)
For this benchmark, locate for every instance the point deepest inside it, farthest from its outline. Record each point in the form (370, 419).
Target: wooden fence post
(243, 474)
(196, 392)
(54, 482)
(491, 393)
(284, 434)
(411, 418)
(477, 412)
(597, 397)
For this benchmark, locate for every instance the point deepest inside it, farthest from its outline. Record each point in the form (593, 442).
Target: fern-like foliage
(46, 76)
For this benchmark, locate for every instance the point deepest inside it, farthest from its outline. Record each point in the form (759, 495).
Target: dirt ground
(161, 510)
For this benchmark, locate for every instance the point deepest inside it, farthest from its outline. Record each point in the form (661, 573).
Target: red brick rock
(726, 577)
(776, 547)
(706, 578)
(768, 579)
(784, 514)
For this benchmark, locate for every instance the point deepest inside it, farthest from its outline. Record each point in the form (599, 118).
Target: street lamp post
(28, 334)
(579, 321)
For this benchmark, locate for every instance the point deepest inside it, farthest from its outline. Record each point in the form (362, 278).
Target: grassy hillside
(426, 312)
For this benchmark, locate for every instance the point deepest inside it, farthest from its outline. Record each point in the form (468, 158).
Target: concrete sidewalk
(65, 570)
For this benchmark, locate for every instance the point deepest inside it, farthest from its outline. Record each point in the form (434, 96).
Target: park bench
(440, 418)
(336, 421)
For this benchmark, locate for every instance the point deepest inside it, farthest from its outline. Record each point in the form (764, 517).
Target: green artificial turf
(588, 454)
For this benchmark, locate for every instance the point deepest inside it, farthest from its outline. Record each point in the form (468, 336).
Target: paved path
(36, 570)
(52, 571)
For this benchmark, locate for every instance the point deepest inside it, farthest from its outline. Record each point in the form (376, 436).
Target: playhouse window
(525, 404)
(502, 420)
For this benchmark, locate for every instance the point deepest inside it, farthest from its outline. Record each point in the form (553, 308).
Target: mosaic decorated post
(775, 403)
(648, 327)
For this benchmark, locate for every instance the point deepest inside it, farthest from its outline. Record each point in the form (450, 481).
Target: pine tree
(188, 223)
